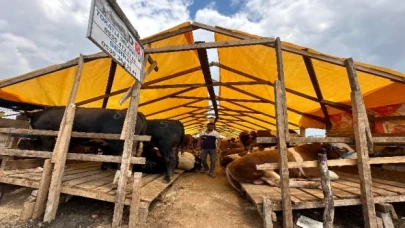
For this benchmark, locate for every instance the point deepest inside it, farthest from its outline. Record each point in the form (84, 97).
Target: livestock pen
(250, 67)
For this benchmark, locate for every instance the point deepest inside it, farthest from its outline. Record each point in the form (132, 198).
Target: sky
(38, 33)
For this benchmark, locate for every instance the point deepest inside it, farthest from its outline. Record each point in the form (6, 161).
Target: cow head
(339, 151)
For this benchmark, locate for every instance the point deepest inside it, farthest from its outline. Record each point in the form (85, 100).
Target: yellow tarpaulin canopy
(257, 61)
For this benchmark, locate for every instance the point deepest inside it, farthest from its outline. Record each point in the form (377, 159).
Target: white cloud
(39, 33)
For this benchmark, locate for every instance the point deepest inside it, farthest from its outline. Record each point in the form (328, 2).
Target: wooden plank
(76, 175)
(43, 188)
(208, 45)
(384, 184)
(267, 211)
(145, 180)
(86, 178)
(22, 164)
(90, 185)
(168, 34)
(154, 188)
(62, 146)
(126, 155)
(378, 191)
(10, 123)
(71, 156)
(199, 85)
(136, 200)
(88, 194)
(362, 135)
(19, 182)
(282, 134)
(74, 134)
(302, 196)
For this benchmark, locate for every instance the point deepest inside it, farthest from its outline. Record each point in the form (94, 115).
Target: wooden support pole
(175, 75)
(168, 35)
(317, 88)
(136, 200)
(40, 203)
(329, 211)
(267, 213)
(362, 134)
(126, 155)
(302, 131)
(209, 45)
(282, 134)
(205, 67)
(111, 75)
(282, 145)
(61, 148)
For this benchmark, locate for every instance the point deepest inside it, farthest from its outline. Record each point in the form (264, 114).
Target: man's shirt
(208, 140)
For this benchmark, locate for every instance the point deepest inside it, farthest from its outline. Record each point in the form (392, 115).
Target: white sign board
(110, 34)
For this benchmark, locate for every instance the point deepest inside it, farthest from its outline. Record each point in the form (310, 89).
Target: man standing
(209, 142)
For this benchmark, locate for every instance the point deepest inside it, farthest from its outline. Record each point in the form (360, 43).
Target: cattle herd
(165, 152)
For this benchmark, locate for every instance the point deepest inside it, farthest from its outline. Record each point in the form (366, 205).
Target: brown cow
(244, 169)
(188, 142)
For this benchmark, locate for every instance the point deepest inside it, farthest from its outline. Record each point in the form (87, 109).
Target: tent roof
(241, 107)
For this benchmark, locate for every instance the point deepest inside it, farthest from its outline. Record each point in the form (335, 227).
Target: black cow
(166, 138)
(96, 120)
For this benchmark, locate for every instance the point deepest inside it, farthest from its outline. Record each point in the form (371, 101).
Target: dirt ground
(194, 200)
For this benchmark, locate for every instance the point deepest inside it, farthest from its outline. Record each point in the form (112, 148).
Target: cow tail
(183, 140)
(236, 185)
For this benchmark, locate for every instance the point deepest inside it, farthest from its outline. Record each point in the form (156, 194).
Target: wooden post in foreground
(363, 139)
(126, 154)
(61, 148)
(136, 200)
(282, 134)
(43, 189)
(329, 212)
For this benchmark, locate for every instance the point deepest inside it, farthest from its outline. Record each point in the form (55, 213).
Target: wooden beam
(136, 200)
(320, 57)
(209, 45)
(317, 88)
(260, 126)
(61, 147)
(110, 80)
(282, 134)
(70, 156)
(75, 134)
(167, 35)
(175, 75)
(51, 69)
(220, 99)
(259, 112)
(205, 67)
(174, 107)
(199, 85)
(167, 96)
(362, 134)
(336, 105)
(128, 132)
(87, 101)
